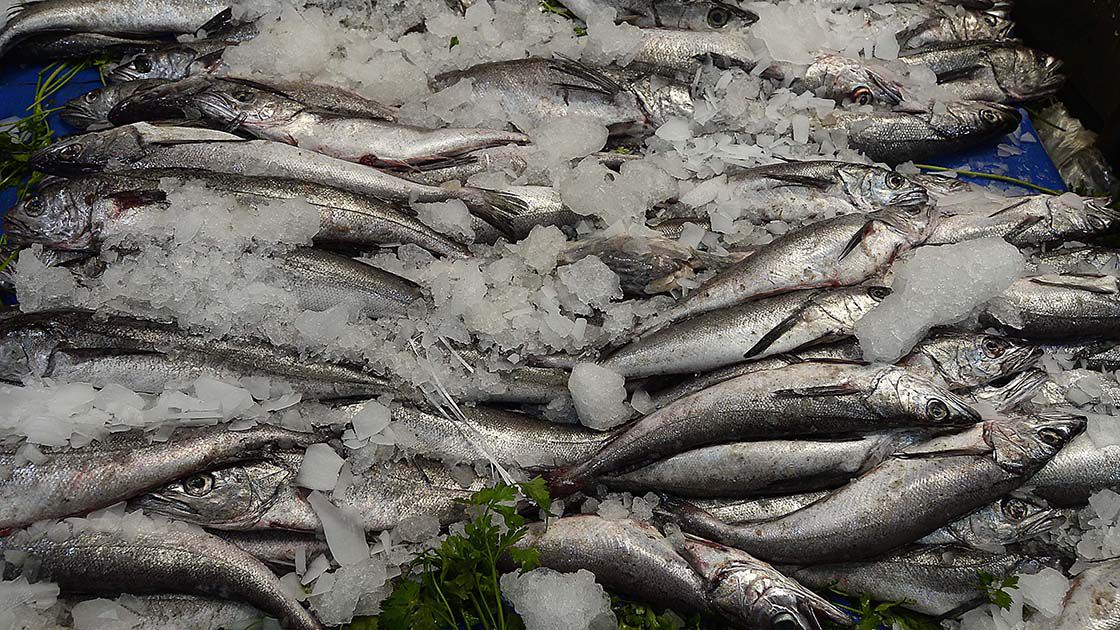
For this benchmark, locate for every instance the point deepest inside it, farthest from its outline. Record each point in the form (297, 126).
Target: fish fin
(802, 180)
(857, 238)
(600, 82)
(211, 59)
(1008, 208)
(222, 20)
(1022, 226)
(839, 389)
(19, 7)
(776, 332)
(138, 198)
(500, 208)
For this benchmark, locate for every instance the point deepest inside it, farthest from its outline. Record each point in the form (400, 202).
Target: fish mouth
(217, 106)
(1021, 360)
(166, 505)
(122, 74)
(915, 197)
(748, 17)
(1042, 522)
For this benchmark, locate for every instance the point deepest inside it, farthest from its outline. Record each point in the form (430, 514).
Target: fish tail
(498, 208)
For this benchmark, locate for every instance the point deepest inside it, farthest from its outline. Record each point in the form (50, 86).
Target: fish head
(1025, 73)
(222, 498)
(847, 306)
(850, 81)
(915, 222)
(89, 153)
(966, 360)
(1022, 444)
(1012, 519)
(973, 119)
(25, 351)
(1092, 216)
(693, 15)
(243, 104)
(874, 188)
(56, 217)
(91, 110)
(900, 392)
(169, 63)
(749, 590)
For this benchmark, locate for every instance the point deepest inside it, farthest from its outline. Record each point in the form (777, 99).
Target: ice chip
(320, 468)
(599, 396)
(549, 600)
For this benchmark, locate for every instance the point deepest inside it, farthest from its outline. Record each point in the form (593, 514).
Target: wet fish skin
(800, 399)
(769, 467)
(155, 561)
(958, 26)
(79, 480)
(91, 110)
(964, 361)
(897, 137)
(270, 116)
(850, 81)
(1002, 72)
(841, 251)
(941, 581)
(276, 548)
(134, 17)
(61, 46)
(173, 62)
(158, 612)
(645, 265)
(1005, 522)
(735, 511)
(1102, 355)
(904, 498)
(322, 280)
(673, 51)
(1058, 307)
(521, 384)
(753, 330)
(1091, 602)
(144, 356)
(1075, 260)
(1034, 220)
(1079, 470)
(696, 15)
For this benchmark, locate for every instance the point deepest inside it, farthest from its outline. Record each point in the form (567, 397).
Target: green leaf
(526, 559)
(536, 490)
(454, 42)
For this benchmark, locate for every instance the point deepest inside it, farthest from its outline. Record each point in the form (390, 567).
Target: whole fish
(694, 15)
(1058, 306)
(91, 110)
(1091, 602)
(276, 548)
(129, 17)
(143, 146)
(1001, 72)
(72, 481)
(1005, 522)
(542, 89)
(903, 499)
(1074, 260)
(173, 62)
(322, 280)
(145, 356)
(159, 612)
(896, 137)
(674, 51)
(753, 330)
(155, 559)
(1032, 220)
(841, 251)
(801, 399)
(943, 27)
(270, 116)
(261, 495)
(851, 81)
(61, 46)
(964, 361)
(766, 467)
(938, 581)
(686, 575)
(1078, 471)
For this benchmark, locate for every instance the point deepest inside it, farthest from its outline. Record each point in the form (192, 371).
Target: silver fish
(133, 17)
(1005, 522)
(766, 467)
(944, 27)
(521, 384)
(644, 265)
(1091, 602)
(1079, 470)
(841, 251)
(1102, 355)
(639, 561)
(896, 137)
(1031, 220)
(673, 51)
(276, 548)
(801, 399)
(1075, 260)
(850, 81)
(144, 356)
(91, 110)
(681, 14)
(1013, 394)
(322, 280)
(174, 62)
(159, 612)
(964, 361)
(1058, 306)
(61, 46)
(155, 560)
(753, 330)
(270, 116)
(143, 146)
(736, 511)
(1001, 72)
(79, 480)
(938, 581)
(909, 496)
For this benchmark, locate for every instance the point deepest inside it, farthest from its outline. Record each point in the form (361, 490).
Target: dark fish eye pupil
(243, 96)
(70, 152)
(895, 181)
(937, 410)
(143, 64)
(718, 17)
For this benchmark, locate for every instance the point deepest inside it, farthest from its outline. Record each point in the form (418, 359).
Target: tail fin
(498, 208)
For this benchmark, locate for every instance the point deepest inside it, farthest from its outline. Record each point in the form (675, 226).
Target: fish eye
(994, 347)
(895, 181)
(878, 293)
(1052, 437)
(1014, 508)
(34, 207)
(1097, 223)
(243, 96)
(863, 95)
(90, 97)
(718, 17)
(199, 485)
(989, 116)
(991, 20)
(142, 64)
(937, 410)
(70, 152)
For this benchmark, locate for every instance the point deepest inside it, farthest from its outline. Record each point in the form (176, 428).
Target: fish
(1014, 394)
(1075, 260)
(897, 137)
(142, 146)
(903, 499)
(1032, 220)
(118, 17)
(801, 399)
(537, 89)
(766, 467)
(965, 361)
(261, 496)
(322, 280)
(519, 384)
(1078, 471)
(371, 141)
(1001, 72)
(674, 51)
(645, 265)
(1091, 602)
(941, 581)
(90, 111)
(47, 47)
(1007, 521)
(753, 330)
(696, 15)
(637, 560)
(1102, 355)
(735, 511)
(840, 251)
(276, 548)
(173, 62)
(144, 356)
(1057, 306)
(155, 559)
(158, 612)
(851, 81)
(943, 27)
(72, 481)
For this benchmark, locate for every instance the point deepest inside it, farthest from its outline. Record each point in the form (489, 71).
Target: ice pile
(599, 395)
(550, 600)
(24, 605)
(936, 285)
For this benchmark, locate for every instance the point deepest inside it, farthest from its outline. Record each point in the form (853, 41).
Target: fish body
(1001, 72)
(965, 361)
(159, 612)
(61, 46)
(276, 548)
(753, 330)
(943, 27)
(896, 137)
(1058, 306)
(1074, 260)
(1102, 355)
(799, 399)
(1078, 471)
(1005, 522)
(905, 498)
(736, 511)
(673, 51)
(1033, 220)
(645, 265)
(1091, 602)
(697, 15)
(322, 280)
